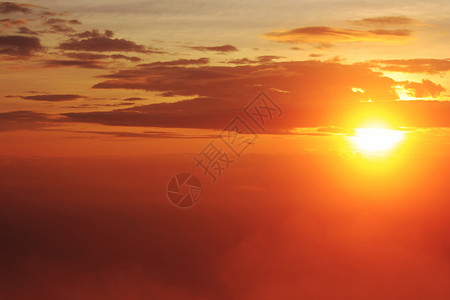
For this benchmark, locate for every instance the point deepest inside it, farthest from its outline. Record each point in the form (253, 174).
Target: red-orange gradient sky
(341, 194)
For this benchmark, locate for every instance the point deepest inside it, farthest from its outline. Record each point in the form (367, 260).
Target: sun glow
(376, 140)
(404, 94)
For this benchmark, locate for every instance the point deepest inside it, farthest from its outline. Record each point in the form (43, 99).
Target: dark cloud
(219, 49)
(103, 44)
(57, 25)
(202, 112)
(74, 21)
(52, 98)
(53, 21)
(84, 106)
(312, 93)
(95, 56)
(87, 60)
(121, 56)
(95, 106)
(388, 21)
(87, 64)
(134, 99)
(146, 134)
(16, 45)
(322, 34)
(306, 80)
(97, 42)
(125, 103)
(10, 7)
(24, 120)
(418, 65)
(259, 60)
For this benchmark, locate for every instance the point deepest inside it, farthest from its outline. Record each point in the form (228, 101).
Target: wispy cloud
(385, 21)
(417, 65)
(259, 60)
(8, 23)
(51, 97)
(322, 34)
(178, 62)
(219, 49)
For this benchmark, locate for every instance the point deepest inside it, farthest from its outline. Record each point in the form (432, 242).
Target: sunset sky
(340, 193)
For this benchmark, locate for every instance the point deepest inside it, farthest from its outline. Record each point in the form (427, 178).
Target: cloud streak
(385, 21)
(8, 23)
(96, 56)
(11, 7)
(25, 120)
(322, 34)
(86, 64)
(52, 98)
(219, 49)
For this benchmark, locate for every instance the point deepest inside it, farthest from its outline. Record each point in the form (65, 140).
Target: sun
(376, 140)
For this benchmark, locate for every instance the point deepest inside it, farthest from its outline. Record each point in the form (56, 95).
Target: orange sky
(332, 118)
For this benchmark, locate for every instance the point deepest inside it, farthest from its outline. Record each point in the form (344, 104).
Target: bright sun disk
(376, 139)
